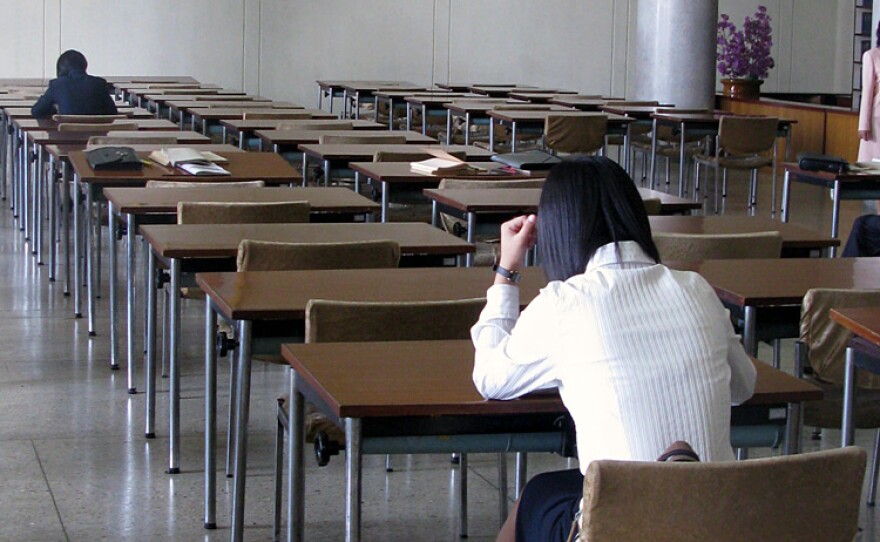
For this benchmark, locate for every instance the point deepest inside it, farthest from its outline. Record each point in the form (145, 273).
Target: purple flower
(745, 53)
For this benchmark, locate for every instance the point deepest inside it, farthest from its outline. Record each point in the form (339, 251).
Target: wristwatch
(512, 276)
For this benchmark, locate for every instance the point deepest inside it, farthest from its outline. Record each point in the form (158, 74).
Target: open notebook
(190, 160)
(443, 163)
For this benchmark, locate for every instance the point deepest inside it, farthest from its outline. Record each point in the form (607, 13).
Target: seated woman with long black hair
(642, 355)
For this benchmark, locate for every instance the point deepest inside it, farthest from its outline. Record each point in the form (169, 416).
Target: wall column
(675, 52)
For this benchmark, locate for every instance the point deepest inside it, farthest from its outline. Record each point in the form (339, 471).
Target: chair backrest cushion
(757, 499)
(689, 247)
(346, 321)
(495, 183)
(196, 184)
(251, 115)
(96, 126)
(128, 140)
(575, 134)
(312, 125)
(272, 256)
(359, 139)
(826, 340)
(197, 212)
(747, 135)
(415, 156)
(653, 206)
(94, 119)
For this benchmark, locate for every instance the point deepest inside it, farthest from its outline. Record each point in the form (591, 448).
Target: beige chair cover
(689, 247)
(575, 134)
(271, 256)
(196, 184)
(193, 212)
(362, 139)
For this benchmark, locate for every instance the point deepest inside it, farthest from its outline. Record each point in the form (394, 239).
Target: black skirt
(548, 506)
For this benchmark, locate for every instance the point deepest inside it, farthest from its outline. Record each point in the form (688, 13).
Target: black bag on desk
(821, 162)
(114, 159)
(529, 160)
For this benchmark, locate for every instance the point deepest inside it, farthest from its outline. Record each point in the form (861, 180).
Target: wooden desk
(431, 104)
(475, 109)
(845, 185)
(796, 241)
(538, 97)
(280, 140)
(395, 99)
(360, 398)
(584, 103)
(334, 155)
(334, 88)
(862, 352)
(159, 101)
(204, 115)
(472, 202)
(213, 247)
(362, 90)
(500, 91)
(768, 293)
(245, 128)
(243, 166)
(387, 174)
(617, 124)
(137, 206)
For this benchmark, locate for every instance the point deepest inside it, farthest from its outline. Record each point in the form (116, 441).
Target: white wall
(280, 47)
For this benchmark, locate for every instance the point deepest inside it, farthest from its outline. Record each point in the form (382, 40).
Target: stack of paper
(190, 160)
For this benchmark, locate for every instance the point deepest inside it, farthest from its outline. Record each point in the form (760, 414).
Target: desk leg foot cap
(77, 315)
(389, 469)
(51, 279)
(114, 366)
(149, 435)
(210, 525)
(230, 476)
(93, 334)
(173, 470)
(132, 391)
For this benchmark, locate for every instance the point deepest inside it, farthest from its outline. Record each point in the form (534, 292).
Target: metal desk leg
(448, 126)
(513, 137)
(296, 480)
(91, 278)
(385, 193)
(653, 167)
(66, 203)
(114, 309)
(320, 94)
(131, 297)
(353, 466)
(786, 190)
(681, 160)
(463, 496)
(77, 234)
(210, 417)
(173, 330)
(502, 487)
(424, 120)
(491, 134)
(326, 172)
(793, 428)
(305, 173)
(835, 214)
(150, 369)
(847, 431)
(435, 214)
(773, 183)
(522, 466)
(39, 168)
(243, 392)
(471, 225)
(52, 186)
(749, 337)
(467, 128)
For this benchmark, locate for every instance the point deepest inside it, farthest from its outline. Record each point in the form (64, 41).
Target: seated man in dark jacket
(74, 92)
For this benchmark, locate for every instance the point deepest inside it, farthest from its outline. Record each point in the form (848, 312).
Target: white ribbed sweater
(642, 356)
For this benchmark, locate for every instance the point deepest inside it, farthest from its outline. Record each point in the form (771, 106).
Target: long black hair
(70, 60)
(587, 203)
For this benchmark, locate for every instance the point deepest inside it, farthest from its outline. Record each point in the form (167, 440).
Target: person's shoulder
(872, 54)
(96, 78)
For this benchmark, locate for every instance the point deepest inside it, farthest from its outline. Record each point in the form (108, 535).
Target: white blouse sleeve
(512, 349)
(742, 371)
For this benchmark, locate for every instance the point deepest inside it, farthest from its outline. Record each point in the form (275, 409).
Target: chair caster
(325, 448)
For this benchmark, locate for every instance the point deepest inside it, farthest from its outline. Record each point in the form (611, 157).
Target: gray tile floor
(74, 463)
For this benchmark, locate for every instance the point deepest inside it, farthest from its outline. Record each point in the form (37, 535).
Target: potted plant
(743, 56)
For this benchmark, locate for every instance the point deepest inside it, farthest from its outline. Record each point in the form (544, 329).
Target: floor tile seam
(49, 489)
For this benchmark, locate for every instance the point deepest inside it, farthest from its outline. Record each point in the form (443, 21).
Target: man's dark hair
(587, 203)
(69, 61)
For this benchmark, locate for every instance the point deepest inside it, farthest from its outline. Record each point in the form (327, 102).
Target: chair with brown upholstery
(322, 125)
(287, 115)
(196, 184)
(93, 119)
(571, 134)
(744, 143)
(728, 246)
(96, 126)
(271, 256)
(820, 353)
(199, 212)
(758, 499)
(637, 130)
(128, 140)
(362, 139)
(669, 144)
(653, 206)
(364, 321)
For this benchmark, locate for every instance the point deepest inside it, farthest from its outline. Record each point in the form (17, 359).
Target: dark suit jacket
(76, 93)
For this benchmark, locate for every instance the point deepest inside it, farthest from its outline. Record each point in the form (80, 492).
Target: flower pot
(748, 89)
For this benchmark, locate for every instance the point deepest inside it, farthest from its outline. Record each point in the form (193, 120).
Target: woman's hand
(864, 135)
(518, 235)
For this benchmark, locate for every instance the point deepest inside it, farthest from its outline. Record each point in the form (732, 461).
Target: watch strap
(512, 276)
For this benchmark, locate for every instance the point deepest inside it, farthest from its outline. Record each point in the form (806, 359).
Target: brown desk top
(326, 83)
(864, 321)
(481, 106)
(540, 115)
(793, 236)
(372, 86)
(217, 113)
(360, 153)
(585, 103)
(525, 200)
(433, 378)
(272, 124)
(828, 177)
(229, 104)
(401, 172)
(300, 137)
(243, 166)
(163, 200)
(23, 111)
(222, 240)
(438, 98)
(389, 93)
(283, 295)
(142, 124)
(120, 80)
(7, 102)
(170, 98)
(783, 281)
(63, 150)
(54, 137)
(539, 97)
(501, 90)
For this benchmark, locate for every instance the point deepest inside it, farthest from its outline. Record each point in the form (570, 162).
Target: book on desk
(190, 160)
